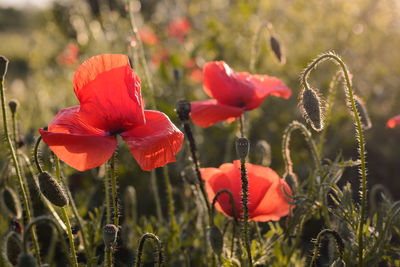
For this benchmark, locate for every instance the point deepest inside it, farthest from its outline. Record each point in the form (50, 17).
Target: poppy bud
(216, 239)
(13, 104)
(264, 149)
(109, 235)
(52, 190)
(26, 260)
(11, 203)
(3, 67)
(311, 105)
(277, 49)
(189, 175)
(183, 109)
(291, 179)
(13, 247)
(362, 112)
(242, 147)
(177, 75)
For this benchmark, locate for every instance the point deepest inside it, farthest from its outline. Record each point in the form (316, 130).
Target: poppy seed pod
(13, 247)
(216, 240)
(51, 189)
(183, 110)
(311, 105)
(109, 235)
(277, 49)
(26, 260)
(363, 113)
(11, 203)
(13, 104)
(3, 67)
(242, 147)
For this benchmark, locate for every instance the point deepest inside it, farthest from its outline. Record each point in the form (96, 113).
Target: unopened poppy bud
(216, 239)
(291, 179)
(363, 113)
(3, 67)
(311, 105)
(26, 260)
(13, 247)
(11, 203)
(110, 232)
(13, 104)
(183, 109)
(277, 49)
(52, 190)
(189, 175)
(242, 147)
(177, 75)
(264, 151)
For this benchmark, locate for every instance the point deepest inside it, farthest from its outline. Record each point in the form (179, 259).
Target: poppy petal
(109, 93)
(226, 177)
(206, 113)
(155, 143)
(77, 144)
(392, 122)
(265, 86)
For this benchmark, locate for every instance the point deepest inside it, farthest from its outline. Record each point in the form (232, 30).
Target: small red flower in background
(108, 90)
(69, 56)
(196, 74)
(179, 28)
(392, 122)
(267, 200)
(233, 93)
(148, 37)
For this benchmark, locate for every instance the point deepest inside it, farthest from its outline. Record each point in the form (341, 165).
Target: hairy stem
(245, 195)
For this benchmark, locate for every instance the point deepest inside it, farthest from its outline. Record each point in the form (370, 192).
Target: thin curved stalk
(18, 173)
(360, 140)
(65, 215)
(141, 246)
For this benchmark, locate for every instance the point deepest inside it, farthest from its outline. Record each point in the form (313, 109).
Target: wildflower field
(200, 133)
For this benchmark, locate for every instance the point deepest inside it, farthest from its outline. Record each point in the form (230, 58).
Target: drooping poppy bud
(52, 190)
(110, 232)
(183, 110)
(291, 179)
(242, 147)
(11, 203)
(216, 240)
(363, 113)
(311, 106)
(13, 104)
(26, 260)
(264, 153)
(3, 67)
(13, 247)
(277, 49)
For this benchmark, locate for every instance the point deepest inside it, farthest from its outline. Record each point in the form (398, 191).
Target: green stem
(107, 192)
(245, 194)
(335, 235)
(360, 139)
(18, 172)
(171, 208)
(42, 219)
(241, 125)
(65, 215)
(114, 190)
(14, 128)
(234, 211)
(254, 46)
(154, 187)
(141, 246)
(36, 154)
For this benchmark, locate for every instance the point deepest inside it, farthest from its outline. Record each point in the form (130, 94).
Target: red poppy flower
(108, 90)
(179, 29)
(267, 200)
(148, 37)
(392, 122)
(69, 56)
(233, 93)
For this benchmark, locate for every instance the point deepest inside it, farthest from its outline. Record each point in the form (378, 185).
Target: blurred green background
(365, 33)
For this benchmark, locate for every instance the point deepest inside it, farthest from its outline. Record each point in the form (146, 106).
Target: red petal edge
(208, 112)
(155, 143)
(392, 122)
